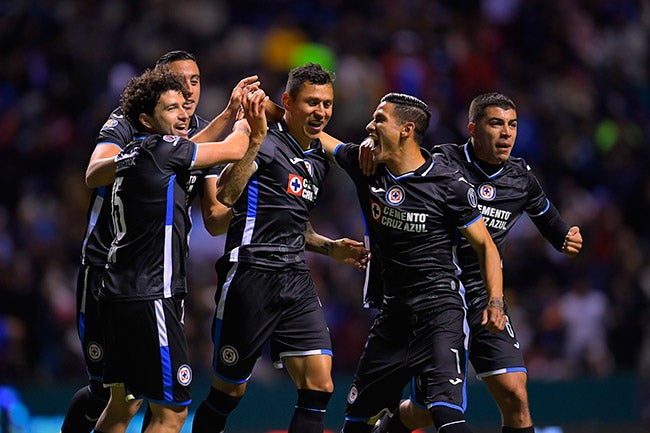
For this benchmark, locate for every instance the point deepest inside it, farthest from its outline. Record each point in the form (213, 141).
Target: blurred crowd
(578, 71)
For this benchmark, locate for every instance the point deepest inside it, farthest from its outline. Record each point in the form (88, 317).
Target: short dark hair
(481, 102)
(410, 109)
(142, 93)
(312, 73)
(174, 56)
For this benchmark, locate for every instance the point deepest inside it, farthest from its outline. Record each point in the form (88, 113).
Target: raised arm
(235, 176)
(101, 167)
(490, 262)
(344, 250)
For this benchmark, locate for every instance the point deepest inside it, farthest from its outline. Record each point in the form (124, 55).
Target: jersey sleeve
(116, 130)
(347, 157)
(181, 152)
(462, 202)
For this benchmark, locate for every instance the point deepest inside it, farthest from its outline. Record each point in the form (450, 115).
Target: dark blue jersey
(412, 219)
(99, 234)
(269, 218)
(150, 219)
(503, 196)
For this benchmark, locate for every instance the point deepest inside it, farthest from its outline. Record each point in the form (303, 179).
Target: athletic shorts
(90, 327)
(422, 340)
(257, 305)
(492, 353)
(146, 350)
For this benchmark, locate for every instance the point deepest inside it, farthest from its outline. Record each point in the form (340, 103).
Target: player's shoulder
(116, 120)
(518, 166)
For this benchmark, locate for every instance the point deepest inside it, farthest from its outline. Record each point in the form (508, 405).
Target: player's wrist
(496, 302)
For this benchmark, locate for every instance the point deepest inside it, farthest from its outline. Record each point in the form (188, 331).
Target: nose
(370, 126)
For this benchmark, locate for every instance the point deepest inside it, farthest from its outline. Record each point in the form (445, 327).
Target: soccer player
(415, 208)
(506, 189)
(144, 286)
(265, 291)
(88, 402)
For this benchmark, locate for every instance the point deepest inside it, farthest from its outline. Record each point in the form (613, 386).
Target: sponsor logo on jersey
(414, 222)
(170, 138)
(395, 195)
(301, 187)
(376, 190)
(487, 192)
(495, 218)
(184, 375)
(455, 381)
(229, 355)
(110, 123)
(353, 394)
(94, 351)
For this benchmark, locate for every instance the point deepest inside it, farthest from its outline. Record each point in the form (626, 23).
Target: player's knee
(448, 420)
(414, 416)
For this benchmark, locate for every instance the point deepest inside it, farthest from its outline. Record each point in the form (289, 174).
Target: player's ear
(146, 120)
(407, 129)
(471, 127)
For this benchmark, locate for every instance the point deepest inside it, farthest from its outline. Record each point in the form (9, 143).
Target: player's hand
(572, 242)
(350, 252)
(366, 158)
(253, 103)
(245, 85)
(494, 318)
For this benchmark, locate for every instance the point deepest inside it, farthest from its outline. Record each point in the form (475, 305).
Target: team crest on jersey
(184, 375)
(110, 123)
(472, 199)
(170, 138)
(353, 394)
(295, 185)
(229, 355)
(95, 351)
(395, 195)
(487, 192)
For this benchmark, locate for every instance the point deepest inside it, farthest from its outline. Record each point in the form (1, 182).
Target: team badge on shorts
(229, 355)
(184, 374)
(353, 394)
(95, 351)
(487, 192)
(395, 195)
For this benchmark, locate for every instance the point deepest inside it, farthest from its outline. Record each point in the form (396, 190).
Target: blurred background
(578, 71)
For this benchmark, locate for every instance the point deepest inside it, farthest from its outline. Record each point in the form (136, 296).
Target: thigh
(493, 353)
(381, 373)
(90, 326)
(147, 350)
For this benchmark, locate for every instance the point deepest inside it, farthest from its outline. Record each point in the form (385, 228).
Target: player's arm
(235, 176)
(490, 262)
(216, 216)
(344, 250)
(101, 167)
(218, 126)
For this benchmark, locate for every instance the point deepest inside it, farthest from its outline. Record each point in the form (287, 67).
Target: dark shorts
(146, 350)
(421, 340)
(492, 353)
(90, 327)
(255, 306)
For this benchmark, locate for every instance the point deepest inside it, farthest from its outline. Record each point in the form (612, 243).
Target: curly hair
(142, 93)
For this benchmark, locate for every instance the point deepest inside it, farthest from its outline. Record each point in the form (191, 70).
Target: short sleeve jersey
(150, 217)
(269, 218)
(412, 219)
(99, 233)
(502, 198)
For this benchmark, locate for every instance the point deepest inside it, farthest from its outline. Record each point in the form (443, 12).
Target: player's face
(190, 71)
(494, 135)
(310, 111)
(169, 116)
(384, 129)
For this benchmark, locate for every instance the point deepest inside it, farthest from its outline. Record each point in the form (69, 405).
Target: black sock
(85, 408)
(211, 415)
(448, 420)
(309, 414)
(530, 429)
(392, 424)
